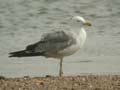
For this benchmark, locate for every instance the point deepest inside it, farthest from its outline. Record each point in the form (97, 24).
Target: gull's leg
(61, 70)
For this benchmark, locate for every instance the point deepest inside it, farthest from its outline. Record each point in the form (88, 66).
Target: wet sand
(82, 82)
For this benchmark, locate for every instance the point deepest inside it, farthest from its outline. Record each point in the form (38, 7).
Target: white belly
(69, 51)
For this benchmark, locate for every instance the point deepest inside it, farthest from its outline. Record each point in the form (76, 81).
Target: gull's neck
(82, 36)
(80, 31)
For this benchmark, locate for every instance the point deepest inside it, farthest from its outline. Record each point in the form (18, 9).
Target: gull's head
(82, 20)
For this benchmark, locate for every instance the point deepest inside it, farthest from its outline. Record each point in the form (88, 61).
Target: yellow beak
(87, 24)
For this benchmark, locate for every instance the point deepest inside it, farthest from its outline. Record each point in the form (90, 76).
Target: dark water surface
(23, 21)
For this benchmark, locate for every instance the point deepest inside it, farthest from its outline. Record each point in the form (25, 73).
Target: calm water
(23, 21)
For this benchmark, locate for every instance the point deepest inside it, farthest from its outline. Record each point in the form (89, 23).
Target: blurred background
(23, 21)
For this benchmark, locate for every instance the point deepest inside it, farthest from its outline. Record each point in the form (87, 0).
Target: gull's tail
(23, 53)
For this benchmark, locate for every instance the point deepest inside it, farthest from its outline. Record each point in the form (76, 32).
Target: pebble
(91, 82)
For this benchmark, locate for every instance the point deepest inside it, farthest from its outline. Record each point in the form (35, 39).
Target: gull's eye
(78, 20)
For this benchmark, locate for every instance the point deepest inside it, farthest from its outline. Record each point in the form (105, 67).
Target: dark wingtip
(14, 55)
(17, 53)
(10, 56)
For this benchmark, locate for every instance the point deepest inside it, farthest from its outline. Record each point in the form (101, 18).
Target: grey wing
(52, 43)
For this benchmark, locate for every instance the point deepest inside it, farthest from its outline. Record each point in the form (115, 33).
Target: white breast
(82, 36)
(70, 50)
(80, 39)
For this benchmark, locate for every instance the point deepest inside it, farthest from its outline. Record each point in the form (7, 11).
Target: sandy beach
(82, 82)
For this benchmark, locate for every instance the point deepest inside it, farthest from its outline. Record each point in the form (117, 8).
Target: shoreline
(79, 82)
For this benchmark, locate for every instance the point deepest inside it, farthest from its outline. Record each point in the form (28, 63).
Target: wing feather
(52, 43)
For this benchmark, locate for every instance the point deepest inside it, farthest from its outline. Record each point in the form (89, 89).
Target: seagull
(57, 44)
